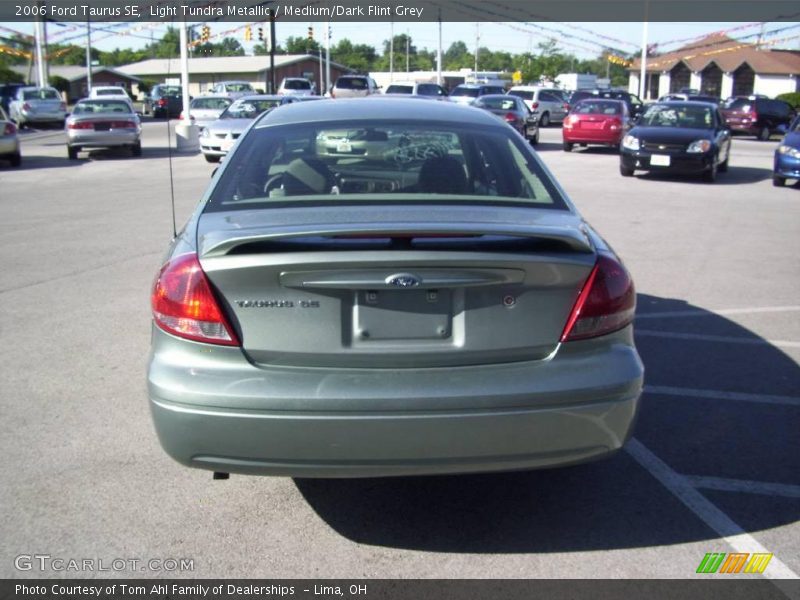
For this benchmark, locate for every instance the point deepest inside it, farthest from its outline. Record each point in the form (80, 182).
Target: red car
(596, 121)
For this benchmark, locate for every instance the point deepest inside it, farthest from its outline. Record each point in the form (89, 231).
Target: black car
(164, 101)
(757, 115)
(635, 105)
(513, 111)
(678, 137)
(7, 92)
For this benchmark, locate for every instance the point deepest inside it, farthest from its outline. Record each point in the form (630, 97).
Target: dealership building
(718, 65)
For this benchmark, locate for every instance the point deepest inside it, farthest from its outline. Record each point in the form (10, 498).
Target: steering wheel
(273, 183)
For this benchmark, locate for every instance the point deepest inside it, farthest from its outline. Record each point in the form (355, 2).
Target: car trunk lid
(407, 287)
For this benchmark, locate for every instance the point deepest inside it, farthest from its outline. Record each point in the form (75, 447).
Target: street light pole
(439, 52)
(40, 69)
(643, 72)
(88, 56)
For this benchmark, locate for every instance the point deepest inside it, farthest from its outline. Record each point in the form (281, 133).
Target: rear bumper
(230, 416)
(102, 139)
(9, 145)
(592, 137)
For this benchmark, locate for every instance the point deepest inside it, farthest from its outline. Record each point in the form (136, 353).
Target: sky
(510, 37)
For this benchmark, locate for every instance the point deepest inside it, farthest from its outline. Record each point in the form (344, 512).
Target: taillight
(570, 121)
(62, 106)
(122, 125)
(566, 107)
(10, 129)
(534, 106)
(510, 117)
(184, 305)
(615, 124)
(606, 303)
(26, 106)
(80, 125)
(162, 102)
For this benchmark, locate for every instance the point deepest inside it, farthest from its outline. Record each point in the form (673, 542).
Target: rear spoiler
(220, 243)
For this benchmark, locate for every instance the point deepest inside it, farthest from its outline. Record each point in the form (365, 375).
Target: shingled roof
(728, 54)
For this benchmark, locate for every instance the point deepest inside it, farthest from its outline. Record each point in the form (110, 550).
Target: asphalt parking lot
(714, 465)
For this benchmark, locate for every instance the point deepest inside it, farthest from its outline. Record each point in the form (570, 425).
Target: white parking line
(729, 531)
(721, 312)
(742, 485)
(722, 395)
(726, 339)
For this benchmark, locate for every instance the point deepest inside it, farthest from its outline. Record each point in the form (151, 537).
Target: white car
(232, 89)
(413, 88)
(354, 86)
(547, 103)
(37, 105)
(111, 92)
(296, 86)
(9, 141)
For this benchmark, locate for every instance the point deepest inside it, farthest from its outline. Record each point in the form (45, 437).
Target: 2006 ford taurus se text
(422, 298)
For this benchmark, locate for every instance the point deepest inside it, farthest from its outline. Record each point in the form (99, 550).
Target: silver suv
(354, 86)
(547, 103)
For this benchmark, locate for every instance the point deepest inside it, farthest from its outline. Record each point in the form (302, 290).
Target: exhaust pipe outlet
(219, 475)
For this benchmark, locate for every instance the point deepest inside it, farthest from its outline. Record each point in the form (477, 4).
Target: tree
(360, 57)
(229, 46)
(457, 57)
(301, 45)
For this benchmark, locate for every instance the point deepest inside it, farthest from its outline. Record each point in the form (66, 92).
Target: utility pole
(327, 59)
(439, 52)
(40, 69)
(391, 51)
(643, 73)
(88, 56)
(271, 52)
(477, 44)
(186, 132)
(407, 48)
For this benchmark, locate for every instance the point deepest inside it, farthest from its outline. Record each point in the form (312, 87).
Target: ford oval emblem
(403, 280)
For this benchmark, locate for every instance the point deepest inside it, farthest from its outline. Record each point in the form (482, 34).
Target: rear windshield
(465, 91)
(110, 92)
(238, 87)
(400, 89)
(681, 115)
(87, 107)
(597, 107)
(167, 90)
(211, 103)
(742, 104)
(496, 103)
(248, 108)
(382, 162)
(296, 84)
(40, 95)
(351, 83)
(524, 94)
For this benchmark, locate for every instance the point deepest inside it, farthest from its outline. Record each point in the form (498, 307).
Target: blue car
(787, 156)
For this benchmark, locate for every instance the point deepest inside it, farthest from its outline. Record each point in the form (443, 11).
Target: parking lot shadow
(613, 503)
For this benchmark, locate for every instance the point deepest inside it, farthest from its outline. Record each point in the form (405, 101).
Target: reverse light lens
(10, 129)
(789, 151)
(571, 121)
(630, 142)
(80, 125)
(699, 146)
(184, 305)
(510, 117)
(606, 303)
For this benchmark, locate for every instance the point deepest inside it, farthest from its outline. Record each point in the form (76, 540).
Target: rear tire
(535, 139)
(15, 159)
(625, 171)
(210, 158)
(136, 149)
(568, 146)
(72, 152)
(778, 181)
(764, 134)
(545, 120)
(723, 166)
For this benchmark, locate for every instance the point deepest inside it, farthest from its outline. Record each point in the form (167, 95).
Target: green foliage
(301, 45)
(9, 76)
(792, 98)
(61, 84)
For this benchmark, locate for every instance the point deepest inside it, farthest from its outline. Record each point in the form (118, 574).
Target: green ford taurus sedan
(420, 297)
